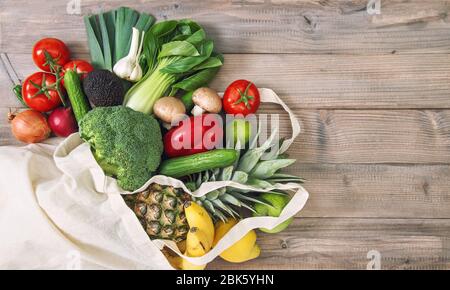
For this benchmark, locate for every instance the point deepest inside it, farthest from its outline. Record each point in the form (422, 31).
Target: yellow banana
(244, 250)
(172, 257)
(197, 245)
(182, 246)
(198, 217)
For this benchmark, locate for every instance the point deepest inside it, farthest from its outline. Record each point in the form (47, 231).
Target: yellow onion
(30, 126)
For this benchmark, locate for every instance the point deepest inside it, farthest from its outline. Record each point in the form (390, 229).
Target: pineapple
(250, 170)
(160, 209)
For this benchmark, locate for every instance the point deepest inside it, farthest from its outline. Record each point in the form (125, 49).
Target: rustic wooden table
(372, 92)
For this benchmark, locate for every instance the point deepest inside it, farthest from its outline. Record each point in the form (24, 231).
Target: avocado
(104, 89)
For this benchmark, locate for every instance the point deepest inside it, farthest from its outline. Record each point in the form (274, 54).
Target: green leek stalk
(109, 34)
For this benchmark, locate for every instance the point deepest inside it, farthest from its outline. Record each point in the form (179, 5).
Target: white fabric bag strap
(269, 96)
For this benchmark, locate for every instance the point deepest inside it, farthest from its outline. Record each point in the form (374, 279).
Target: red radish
(62, 122)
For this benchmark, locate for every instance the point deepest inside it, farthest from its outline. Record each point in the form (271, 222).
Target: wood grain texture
(376, 191)
(369, 136)
(344, 244)
(6, 137)
(253, 26)
(331, 81)
(372, 136)
(7, 98)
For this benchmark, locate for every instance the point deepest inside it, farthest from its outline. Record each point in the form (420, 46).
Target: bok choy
(178, 57)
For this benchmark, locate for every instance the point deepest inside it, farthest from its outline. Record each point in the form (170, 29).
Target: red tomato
(83, 67)
(241, 98)
(39, 92)
(55, 48)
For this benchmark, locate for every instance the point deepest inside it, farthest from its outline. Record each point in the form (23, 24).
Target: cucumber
(183, 166)
(80, 104)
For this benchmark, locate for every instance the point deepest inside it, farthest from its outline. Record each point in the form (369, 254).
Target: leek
(110, 34)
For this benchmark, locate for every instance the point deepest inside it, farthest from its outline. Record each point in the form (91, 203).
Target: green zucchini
(184, 166)
(80, 104)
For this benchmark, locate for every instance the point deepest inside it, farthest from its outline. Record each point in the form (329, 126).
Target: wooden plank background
(372, 93)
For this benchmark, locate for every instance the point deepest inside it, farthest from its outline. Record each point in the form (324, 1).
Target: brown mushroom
(206, 100)
(169, 110)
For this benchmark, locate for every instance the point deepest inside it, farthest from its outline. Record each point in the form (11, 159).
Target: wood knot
(310, 21)
(426, 188)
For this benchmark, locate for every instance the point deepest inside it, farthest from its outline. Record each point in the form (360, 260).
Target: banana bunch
(200, 237)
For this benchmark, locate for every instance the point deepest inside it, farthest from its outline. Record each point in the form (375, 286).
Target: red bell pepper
(194, 135)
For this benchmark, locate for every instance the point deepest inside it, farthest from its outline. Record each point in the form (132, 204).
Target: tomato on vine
(50, 49)
(241, 98)
(41, 92)
(82, 67)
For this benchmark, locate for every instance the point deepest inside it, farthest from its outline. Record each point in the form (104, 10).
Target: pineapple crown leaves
(266, 169)
(253, 156)
(249, 169)
(227, 209)
(258, 183)
(283, 178)
(240, 177)
(227, 173)
(231, 200)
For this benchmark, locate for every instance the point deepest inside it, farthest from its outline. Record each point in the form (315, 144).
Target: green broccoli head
(126, 144)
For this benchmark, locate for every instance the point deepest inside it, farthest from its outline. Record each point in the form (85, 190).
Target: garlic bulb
(128, 67)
